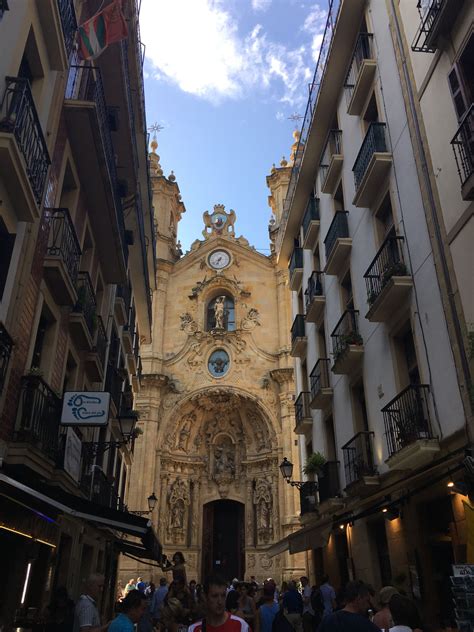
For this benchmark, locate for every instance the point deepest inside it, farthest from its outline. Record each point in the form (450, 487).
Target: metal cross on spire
(155, 128)
(295, 118)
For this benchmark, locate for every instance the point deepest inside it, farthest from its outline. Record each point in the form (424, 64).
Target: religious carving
(251, 560)
(263, 500)
(219, 222)
(178, 502)
(184, 433)
(188, 324)
(251, 320)
(223, 468)
(266, 562)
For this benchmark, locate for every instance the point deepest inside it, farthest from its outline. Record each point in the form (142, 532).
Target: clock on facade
(219, 259)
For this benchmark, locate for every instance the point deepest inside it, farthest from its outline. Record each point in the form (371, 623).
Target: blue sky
(222, 77)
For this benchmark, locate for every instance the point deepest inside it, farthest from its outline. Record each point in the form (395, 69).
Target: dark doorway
(223, 539)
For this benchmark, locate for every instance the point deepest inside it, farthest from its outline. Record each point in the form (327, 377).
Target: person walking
(157, 601)
(353, 617)
(383, 618)
(404, 614)
(129, 586)
(86, 614)
(308, 612)
(268, 610)
(293, 606)
(217, 619)
(132, 609)
(141, 586)
(246, 603)
(328, 595)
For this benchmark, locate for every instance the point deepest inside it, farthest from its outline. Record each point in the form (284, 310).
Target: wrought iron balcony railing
(68, 23)
(311, 213)
(308, 498)
(314, 288)
(100, 344)
(436, 17)
(114, 379)
(6, 346)
(333, 146)
(298, 328)
(302, 407)
(407, 418)
(373, 142)
(463, 146)
(86, 303)
(319, 376)
(139, 369)
(97, 487)
(338, 229)
(328, 482)
(388, 262)
(38, 415)
(132, 316)
(346, 332)
(125, 292)
(144, 247)
(296, 260)
(63, 242)
(18, 116)
(362, 50)
(359, 457)
(136, 344)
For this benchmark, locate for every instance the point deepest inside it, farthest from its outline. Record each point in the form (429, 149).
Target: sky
(223, 77)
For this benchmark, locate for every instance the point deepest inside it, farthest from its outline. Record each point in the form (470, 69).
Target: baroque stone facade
(217, 394)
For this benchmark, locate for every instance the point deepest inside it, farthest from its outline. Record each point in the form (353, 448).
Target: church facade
(217, 400)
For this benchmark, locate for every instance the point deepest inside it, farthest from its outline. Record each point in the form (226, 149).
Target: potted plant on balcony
(314, 464)
(397, 268)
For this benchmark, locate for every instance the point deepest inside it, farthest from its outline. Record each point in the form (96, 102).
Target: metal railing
(333, 146)
(332, 16)
(346, 332)
(308, 498)
(338, 229)
(319, 376)
(18, 116)
(428, 18)
(131, 112)
(114, 385)
(302, 407)
(6, 346)
(139, 369)
(359, 457)
(373, 142)
(362, 50)
(136, 344)
(314, 288)
(388, 262)
(125, 293)
(407, 418)
(63, 242)
(95, 484)
(311, 213)
(296, 260)
(68, 23)
(86, 303)
(100, 344)
(38, 415)
(85, 84)
(328, 482)
(144, 247)
(298, 328)
(463, 146)
(129, 327)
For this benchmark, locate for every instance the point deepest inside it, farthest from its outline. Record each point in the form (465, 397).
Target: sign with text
(85, 408)
(72, 455)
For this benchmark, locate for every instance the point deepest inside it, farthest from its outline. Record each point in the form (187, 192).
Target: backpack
(317, 603)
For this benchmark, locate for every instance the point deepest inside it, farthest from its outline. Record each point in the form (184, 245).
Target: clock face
(219, 259)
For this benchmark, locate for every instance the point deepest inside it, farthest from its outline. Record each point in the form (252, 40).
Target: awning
(279, 547)
(311, 537)
(61, 502)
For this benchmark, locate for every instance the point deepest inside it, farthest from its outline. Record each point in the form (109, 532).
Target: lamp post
(152, 500)
(308, 488)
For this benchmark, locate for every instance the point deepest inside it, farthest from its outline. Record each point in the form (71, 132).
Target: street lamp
(127, 422)
(286, 469)
(152, 500)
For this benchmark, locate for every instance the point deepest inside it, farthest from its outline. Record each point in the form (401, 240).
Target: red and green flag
(104, 28)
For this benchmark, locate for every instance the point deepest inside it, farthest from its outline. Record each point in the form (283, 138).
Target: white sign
(72, 455)
(463, 569)
(85, 409)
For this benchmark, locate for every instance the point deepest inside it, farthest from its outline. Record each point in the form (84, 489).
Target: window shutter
(457, 91)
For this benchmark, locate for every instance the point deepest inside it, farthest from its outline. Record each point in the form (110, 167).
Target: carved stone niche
(263, 501)
(222, 462)
(179, 501)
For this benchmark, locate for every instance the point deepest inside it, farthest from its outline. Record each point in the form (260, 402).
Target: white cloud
(314, 25)
(196, 45)
(261, 5)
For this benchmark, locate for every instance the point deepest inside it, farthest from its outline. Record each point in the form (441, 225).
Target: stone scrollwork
(251, 320)
(188, 324)
(178, 504)
(263, 501)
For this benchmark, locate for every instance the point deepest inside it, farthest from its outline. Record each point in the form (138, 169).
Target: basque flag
(104, 28)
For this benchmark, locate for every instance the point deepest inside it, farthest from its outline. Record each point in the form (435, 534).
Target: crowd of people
(241, 606)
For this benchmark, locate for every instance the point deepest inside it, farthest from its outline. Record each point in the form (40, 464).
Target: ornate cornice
(282, 375)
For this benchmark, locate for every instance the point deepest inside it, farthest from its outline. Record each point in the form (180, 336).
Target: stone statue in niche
(263, 501)
(219, 312)
(223, 466)
(185, 433)
(177, 514)
(224, 461)
(178, 503)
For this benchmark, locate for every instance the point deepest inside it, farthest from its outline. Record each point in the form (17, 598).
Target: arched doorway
(223, 539)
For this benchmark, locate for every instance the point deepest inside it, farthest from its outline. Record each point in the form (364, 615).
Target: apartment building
(77, 270)
(381, 276)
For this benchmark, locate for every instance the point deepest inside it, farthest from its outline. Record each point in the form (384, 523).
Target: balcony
(337, 244)
(410, 440)
(128, 331)
(97, 486)
(361, 74)
(295, 268)
(58, 22)
(304, 421)
(123, 299)
(311, 224)
(88, 123)
(132, 358)
(372, 165)
(347, 344)
(463, 147)
(331, 162)
(321, 390)
(359, 465)
(6, 346)
(298, 337)
(436, 20)
(24, 157)
(388, 281)
(137, 377)
(314, 298)
(37, 422)
(308, 498)
(328, 483)
(61, 263)
(95, 359)
(114, 381)
(83, 318)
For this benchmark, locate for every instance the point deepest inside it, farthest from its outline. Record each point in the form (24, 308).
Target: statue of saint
(219, 312)
(177, 515)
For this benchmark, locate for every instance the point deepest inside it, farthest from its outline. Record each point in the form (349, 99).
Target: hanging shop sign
(85, 408)
(72, 455)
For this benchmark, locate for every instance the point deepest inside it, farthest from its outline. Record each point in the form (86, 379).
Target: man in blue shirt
(133, 607)
(157, 601)
(141, 585)
(293, 607)
(353, 617)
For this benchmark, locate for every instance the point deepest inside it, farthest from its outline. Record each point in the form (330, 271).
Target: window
(7, 241)
(69, 191)
(461, 80)
(316, 259)
(346, 291)
(371, 114)
(221, 313)
(330, 439)
(405, 353)
(44, 342)
(304, 376)
(359, 407)
(384, 224)
(31, 67)
(339, 199)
